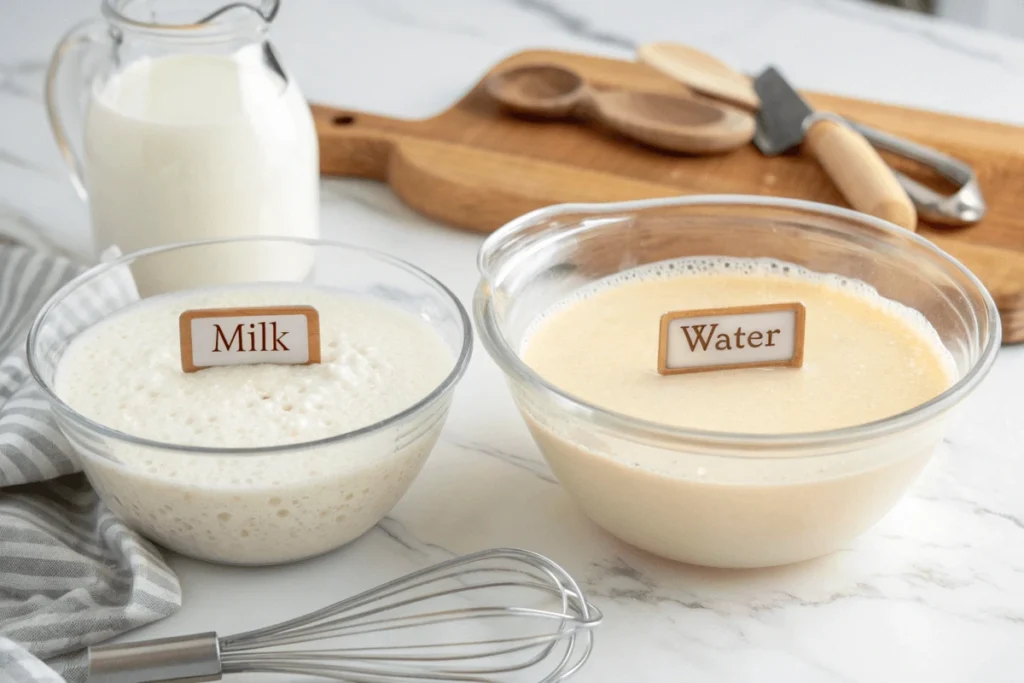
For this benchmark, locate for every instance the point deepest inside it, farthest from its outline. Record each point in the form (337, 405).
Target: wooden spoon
(701, 72)
(668, 122)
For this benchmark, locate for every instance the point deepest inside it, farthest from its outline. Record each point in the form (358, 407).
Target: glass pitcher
(179, 123)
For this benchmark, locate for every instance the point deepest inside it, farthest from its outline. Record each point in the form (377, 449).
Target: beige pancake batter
(750, 505)
(865, 357)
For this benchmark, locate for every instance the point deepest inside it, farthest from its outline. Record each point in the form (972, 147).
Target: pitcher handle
(70, 53)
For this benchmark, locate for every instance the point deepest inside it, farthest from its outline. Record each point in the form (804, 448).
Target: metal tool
(785, 121)
(963, 207)
(713, 78)
(492, 616)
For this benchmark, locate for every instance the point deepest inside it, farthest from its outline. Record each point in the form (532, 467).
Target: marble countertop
(934, 592)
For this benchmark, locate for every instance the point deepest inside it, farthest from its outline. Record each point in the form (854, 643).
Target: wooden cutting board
(474, 168)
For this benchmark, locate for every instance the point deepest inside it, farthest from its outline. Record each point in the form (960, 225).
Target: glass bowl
(713, 498)
(265, 504)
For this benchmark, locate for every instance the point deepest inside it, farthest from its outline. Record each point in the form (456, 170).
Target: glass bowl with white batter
(743, 467)
(259, 463)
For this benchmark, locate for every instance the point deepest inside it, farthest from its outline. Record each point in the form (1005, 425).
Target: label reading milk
(286, 335)
(729, 338)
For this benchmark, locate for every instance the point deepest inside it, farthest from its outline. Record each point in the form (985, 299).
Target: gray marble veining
(22, 79)
(935, 592)
(921, 28)
(574, 23)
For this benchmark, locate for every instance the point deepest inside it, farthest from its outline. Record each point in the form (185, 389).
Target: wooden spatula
(701, 72)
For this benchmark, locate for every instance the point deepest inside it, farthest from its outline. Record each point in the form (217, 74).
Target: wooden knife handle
(860, 174)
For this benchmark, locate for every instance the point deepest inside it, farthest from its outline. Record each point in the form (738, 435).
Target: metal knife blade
(780, 121)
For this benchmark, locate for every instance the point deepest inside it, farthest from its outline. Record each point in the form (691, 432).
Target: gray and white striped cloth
(71, 574)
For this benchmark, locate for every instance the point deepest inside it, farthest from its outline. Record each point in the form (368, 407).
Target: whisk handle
(183, 659)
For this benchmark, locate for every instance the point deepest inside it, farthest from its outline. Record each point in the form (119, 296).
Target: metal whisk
(493, 616)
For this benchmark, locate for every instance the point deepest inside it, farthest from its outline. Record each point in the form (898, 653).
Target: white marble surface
(934, 593)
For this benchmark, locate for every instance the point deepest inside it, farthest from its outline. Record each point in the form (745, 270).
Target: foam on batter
(763, 267)
(866, 357)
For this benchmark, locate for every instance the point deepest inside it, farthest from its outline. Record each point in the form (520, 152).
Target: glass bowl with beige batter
(745, 467)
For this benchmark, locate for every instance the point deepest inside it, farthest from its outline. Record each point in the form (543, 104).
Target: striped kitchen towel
(71, 574)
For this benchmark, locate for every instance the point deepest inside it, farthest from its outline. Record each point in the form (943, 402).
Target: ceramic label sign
(287, 335)
(729, 338)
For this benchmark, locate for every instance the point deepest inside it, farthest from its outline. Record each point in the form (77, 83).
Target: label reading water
(729, 338)
(286, 335)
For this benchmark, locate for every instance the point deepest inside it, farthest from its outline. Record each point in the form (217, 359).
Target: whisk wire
(488, 617)
(408, 622)
(262, 636)
(398, 673)
(306, 659)
(366, 652)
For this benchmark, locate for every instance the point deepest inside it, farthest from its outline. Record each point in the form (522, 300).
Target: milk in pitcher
(202, 146)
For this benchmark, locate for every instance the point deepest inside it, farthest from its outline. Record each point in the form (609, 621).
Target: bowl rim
(498, 348)
(445, 386)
